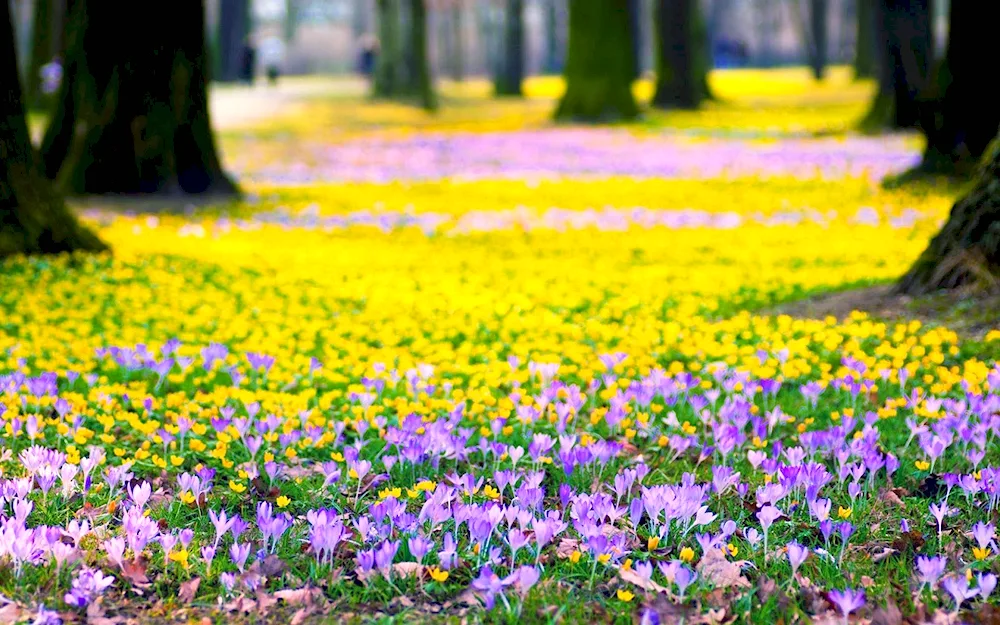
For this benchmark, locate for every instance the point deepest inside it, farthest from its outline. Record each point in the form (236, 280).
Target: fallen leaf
(889, 615)
(301, 615)
(867, 582)
(715, 568)
(566, 547)
(135, 572)
(882, 555)
(299, 596)
(272, 566)
(630, 576)
(264, 602)
(10, 614)
(188, 590)
(892, 498)
(408, 569)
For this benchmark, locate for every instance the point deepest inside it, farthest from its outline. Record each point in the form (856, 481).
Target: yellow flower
(438, 575)
(732, 549)
(603, 558)
(981, 553)
(282, 501)
(922, 465)
(491, 493)
(180, 556)
(625, 595)
(573, 557)
(652, 543)
(687, 554)
(187, 497)
(844, 513)
(236, 488)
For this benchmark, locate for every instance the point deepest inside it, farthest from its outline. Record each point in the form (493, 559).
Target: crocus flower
(847, 600)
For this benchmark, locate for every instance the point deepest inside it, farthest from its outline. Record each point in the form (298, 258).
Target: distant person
(248, 65)
(272, 54)
(368, 54)
(51, 75)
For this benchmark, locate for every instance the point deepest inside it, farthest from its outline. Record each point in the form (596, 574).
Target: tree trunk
(967, 250)
(635, 25)
(681, 67)
(552, 64)
(389, 68)
(511, 74)
(133, 117)
(903, 61)
(291, 23)
(457, 43)
(46, 31)
(599, 66)
(421, 71)
(818, 36)
(864, 52)
(33, 219)
(958, 117)
(234, 31)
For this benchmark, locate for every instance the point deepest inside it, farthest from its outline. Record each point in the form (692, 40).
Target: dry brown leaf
(301, 615)
(715, 568)
(630, 576)
(566, 547)
(135, 572)
(265, 602)
(189, 589)
(710, 617)
(408, 569)
(889, 615)
(10, 614)
(299, 596)
(241, 604)
(882, 555)
(893, 499)
(867, 582)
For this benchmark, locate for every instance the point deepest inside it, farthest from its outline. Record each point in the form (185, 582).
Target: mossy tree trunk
(234, 29)
(903, 60)
(511, 70)
(635, 24)
(33, 219)
(457, 42)
(957, 116)
(864, 51)
(681, 63)
(599, 67)
(46, 33)
(389, 66)
(551, 64)
(967, 249)
(133, 117)
(818, 37)
(422, 85)
(403, 69)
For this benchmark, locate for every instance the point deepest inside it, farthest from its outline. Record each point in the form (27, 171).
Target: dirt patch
(971, 314)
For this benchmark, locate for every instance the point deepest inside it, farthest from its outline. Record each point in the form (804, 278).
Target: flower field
(519, 374)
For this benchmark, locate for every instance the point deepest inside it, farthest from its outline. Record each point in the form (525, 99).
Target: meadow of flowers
(530, 389)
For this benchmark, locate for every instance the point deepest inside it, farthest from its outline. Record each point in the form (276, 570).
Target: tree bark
(234, 30)
(681, 66)
(457, 42)
(420, 70)
(552, 63)
(389, 67)
(33, 218)
(819, 37)
(511, 71)
(864, 52)
(957, 116)
(967, 249)
(599, 66)
(133, 117)
(903, 60)
(635, 24)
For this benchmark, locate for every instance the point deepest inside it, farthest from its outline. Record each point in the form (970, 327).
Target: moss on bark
(133, 117)
(511, 71)
(864, 51)
(599, 65)
(967, 249)
(33, 219)
(681, 65)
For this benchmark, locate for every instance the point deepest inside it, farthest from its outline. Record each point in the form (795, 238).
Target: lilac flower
(958, 587)
(88, 585)
(797, 554)
(847, 600)
(930, 569)
(768, 515)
